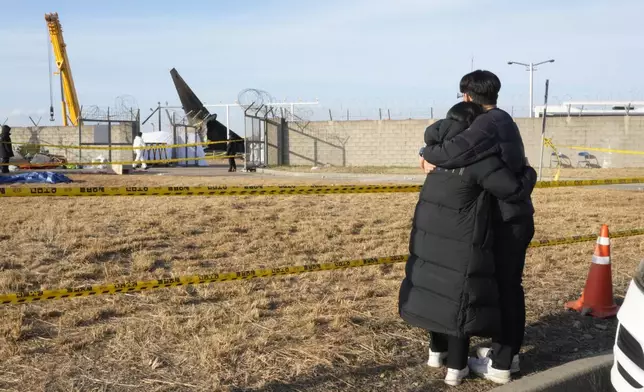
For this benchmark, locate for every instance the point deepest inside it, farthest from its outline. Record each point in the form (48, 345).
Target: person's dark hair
(140, 134)
(465, 112)
(482, 86)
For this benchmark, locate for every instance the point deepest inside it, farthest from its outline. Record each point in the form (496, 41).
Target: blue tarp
(35, 177)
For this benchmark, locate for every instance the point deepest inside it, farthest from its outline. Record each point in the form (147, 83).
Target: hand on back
(426, 166)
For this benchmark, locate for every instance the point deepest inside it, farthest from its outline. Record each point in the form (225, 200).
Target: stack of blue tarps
(34, 178)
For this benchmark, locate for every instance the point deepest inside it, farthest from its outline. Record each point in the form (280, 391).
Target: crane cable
(51, 78)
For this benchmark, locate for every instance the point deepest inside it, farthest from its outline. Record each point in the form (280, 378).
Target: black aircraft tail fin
(197, 114)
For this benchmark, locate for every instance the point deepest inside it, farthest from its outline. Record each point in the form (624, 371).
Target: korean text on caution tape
(249, 190)
(261, 190)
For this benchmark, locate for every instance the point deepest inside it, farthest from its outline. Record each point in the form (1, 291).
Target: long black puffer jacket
(491, 133)
(5, 147)
(449, 284)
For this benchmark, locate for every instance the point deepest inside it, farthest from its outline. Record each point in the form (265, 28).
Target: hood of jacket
(442, 130)
(6, 130)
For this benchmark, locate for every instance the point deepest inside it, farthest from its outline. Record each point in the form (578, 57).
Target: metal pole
(185, 140)
(330, 115)
(109, 135)
(380, 113)
(431, 112)
(196, 162)
(292, 112)
(245, 140)
(543, 128)
(531, 83)
(174, 136)
(80, 137)
(265, 144)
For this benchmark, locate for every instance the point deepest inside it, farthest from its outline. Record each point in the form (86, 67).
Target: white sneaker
(484, 352)
(483, 367)
(454, 377)
(436, 359)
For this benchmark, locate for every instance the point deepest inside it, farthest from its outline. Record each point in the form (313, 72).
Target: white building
(593, 108)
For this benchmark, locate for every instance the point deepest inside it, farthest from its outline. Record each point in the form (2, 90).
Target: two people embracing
(470, 233)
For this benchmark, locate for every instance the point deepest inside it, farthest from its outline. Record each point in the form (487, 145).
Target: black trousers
(232, 165)
(456, 348)
(5, 168)
(511, 243)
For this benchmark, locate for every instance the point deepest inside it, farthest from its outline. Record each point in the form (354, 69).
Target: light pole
(531, 67)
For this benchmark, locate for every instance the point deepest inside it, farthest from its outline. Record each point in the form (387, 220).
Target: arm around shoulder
(469, 146)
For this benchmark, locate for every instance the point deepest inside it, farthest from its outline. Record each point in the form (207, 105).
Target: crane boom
(70, 104)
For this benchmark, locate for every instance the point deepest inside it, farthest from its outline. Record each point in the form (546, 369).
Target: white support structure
(272, 104)
(590, 108)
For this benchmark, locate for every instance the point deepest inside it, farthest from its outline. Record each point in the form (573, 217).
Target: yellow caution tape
(157, 147)
(139, 286)
(583, 238)
(549, 143)
(147, 161)
(610, 150)
(607, 181)
(260, 190)
(129, 287)
(223, 190)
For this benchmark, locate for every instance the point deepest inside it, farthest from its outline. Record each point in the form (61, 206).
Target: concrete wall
(121, 134)
(617, 133)
(273, 142)
(396, 143)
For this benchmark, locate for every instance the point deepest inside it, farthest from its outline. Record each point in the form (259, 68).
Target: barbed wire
(262, 103)
(125, 109)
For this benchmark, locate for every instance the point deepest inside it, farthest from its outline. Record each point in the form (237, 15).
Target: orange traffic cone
(597, 297)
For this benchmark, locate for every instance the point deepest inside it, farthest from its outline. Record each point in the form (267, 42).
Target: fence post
(109, 135)
(80, 136)
(347, 114)
(431, 112)
(543, 128)
(173, 153)
(389, 114)
(380, 113)
(330, 115)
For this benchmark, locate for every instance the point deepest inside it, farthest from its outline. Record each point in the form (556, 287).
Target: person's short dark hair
(482, 86)
(465, 112)
(140, 134)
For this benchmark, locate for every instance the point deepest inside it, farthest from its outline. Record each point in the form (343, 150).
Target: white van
(627, 374)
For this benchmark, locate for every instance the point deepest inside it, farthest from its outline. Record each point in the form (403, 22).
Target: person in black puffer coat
(449, 286)
(495, 133)
(6, 150)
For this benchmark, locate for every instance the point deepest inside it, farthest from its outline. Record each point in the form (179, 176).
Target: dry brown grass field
(323, 331)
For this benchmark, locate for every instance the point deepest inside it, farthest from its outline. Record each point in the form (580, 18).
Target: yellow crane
(70, 105)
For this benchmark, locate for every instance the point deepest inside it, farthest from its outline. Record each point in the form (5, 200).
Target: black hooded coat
(449, 285)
